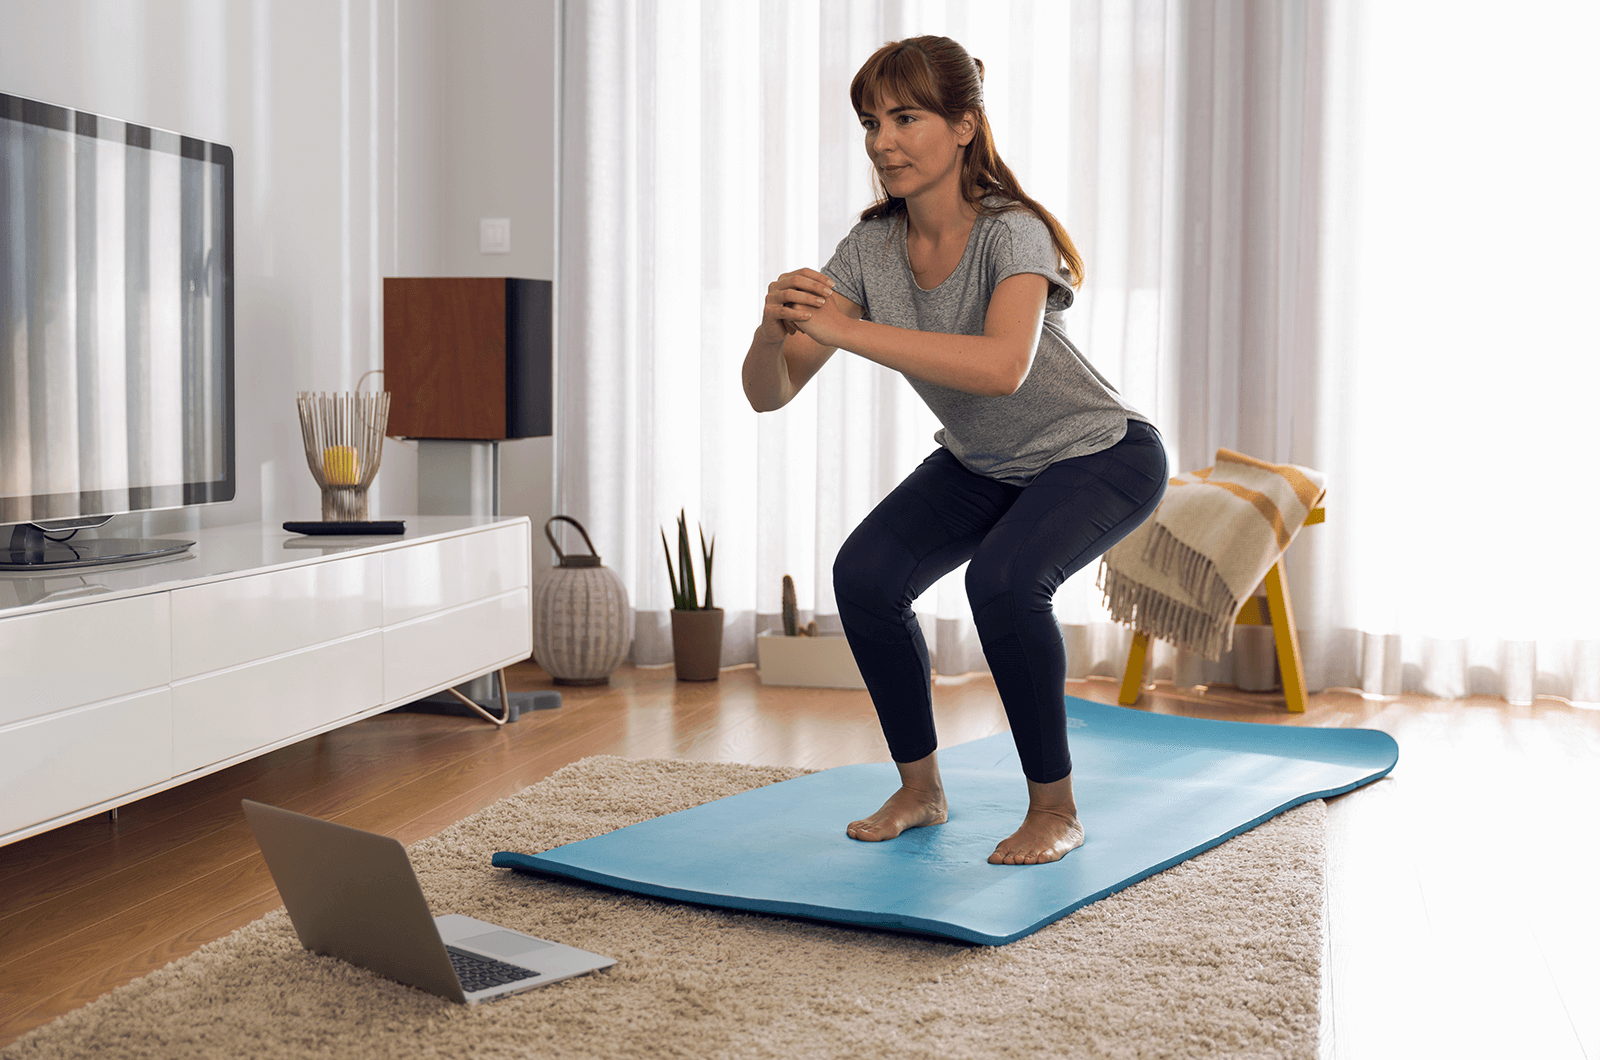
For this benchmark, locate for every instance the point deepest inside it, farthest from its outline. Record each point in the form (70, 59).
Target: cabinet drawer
(56, 765)
(442, 574)
(225, 714)
(54, 660)
(227, 623)
(449, 648)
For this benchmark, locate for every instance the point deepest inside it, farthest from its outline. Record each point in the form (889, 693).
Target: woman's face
(914, 151)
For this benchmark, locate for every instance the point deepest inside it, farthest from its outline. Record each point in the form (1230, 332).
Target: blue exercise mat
(1152, 789)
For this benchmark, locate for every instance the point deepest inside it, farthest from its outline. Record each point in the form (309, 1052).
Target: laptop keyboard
(480, 973)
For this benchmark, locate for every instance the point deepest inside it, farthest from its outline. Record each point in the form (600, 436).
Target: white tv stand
(119, 682)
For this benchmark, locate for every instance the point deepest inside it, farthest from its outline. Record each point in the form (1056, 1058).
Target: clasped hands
(803, 301)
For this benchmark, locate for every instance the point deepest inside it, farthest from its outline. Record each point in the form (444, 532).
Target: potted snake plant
(696, 624)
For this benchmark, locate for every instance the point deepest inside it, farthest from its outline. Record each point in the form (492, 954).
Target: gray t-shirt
(1063, 409)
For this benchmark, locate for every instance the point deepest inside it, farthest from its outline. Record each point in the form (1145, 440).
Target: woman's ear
(966, 128)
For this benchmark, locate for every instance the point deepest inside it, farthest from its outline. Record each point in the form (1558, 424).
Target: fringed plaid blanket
(1183, 576)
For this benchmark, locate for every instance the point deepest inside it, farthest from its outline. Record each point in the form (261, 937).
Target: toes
(1001, 856)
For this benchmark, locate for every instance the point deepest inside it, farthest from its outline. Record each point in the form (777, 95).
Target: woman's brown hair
(936, 74)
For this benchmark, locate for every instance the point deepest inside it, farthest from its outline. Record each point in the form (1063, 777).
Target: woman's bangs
(900, 74)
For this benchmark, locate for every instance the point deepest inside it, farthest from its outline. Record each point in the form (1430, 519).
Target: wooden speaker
(467, 357)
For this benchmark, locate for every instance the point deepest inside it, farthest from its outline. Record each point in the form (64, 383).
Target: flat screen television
(116, 330)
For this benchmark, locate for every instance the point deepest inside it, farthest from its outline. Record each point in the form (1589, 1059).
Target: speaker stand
(460, 478)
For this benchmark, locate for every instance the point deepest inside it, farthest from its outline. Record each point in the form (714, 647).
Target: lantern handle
(592, 560)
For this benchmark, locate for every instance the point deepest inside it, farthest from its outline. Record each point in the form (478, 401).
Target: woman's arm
(993, 364)
(782, 359)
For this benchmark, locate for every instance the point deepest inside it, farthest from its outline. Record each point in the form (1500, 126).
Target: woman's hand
(827, 323)
(792, 298)
(784, 354)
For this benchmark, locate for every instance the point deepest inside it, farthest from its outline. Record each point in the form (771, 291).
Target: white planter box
(807, 662)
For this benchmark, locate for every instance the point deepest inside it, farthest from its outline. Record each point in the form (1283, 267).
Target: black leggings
(1023, 541)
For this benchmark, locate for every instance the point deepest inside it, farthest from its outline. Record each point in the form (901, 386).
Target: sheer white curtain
(1242, 280)
(1461, 361)
(1387, 213)
(709, 146)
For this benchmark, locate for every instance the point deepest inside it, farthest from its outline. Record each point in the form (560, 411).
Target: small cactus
(791, 613)
(810, 630)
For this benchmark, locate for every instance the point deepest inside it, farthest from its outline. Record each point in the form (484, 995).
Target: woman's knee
(1018, 578)
(865, 572)
(984, 581)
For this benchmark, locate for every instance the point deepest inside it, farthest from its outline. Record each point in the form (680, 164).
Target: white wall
(364, 132)
(499, 101)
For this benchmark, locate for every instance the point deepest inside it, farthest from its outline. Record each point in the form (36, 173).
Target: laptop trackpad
(506, 944)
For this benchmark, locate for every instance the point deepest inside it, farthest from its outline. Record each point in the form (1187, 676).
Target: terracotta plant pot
(697, 643)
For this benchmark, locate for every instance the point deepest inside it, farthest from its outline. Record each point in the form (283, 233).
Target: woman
(957, 279)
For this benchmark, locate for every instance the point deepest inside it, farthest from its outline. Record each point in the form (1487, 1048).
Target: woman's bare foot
(1050, 829)
(919, 802)
(905, 809)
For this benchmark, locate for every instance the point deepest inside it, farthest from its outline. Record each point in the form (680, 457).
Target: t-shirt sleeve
(844, 269)
(1025, 246)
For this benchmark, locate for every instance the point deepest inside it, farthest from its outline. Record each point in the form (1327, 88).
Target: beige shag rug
(1218, 956)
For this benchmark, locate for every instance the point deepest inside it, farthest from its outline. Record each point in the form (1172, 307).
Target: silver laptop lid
(353, 895)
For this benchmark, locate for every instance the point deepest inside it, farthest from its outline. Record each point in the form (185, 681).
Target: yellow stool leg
(1286, 639)
(1133, 676)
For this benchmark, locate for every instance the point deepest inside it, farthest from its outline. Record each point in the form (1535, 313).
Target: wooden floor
(1462, 906)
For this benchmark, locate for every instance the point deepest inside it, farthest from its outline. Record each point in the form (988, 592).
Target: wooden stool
(1275, 611)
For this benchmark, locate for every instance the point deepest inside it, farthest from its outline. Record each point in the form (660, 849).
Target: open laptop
(353, 895)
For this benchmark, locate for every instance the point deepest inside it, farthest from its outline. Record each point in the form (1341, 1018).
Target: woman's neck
(940, 214)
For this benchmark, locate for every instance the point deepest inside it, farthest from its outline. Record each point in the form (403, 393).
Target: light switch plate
(494, 235)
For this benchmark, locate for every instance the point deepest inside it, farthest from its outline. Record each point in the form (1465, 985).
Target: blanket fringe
(1196, 574)
(1164, 618)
